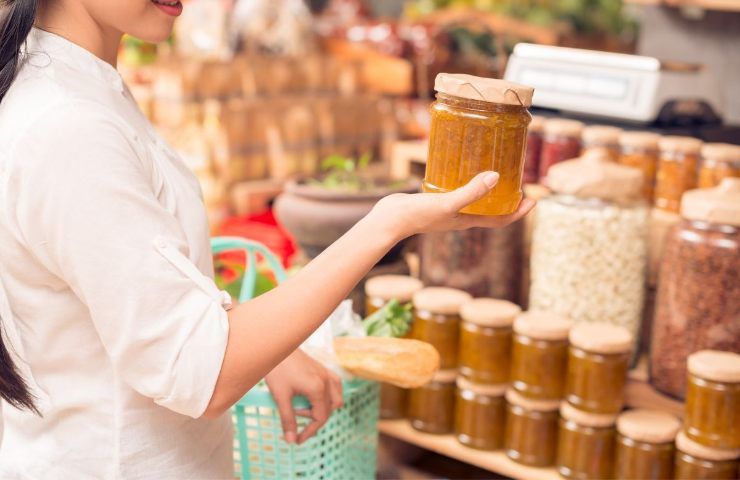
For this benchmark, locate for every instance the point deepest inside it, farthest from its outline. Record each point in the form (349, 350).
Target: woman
(120, 359)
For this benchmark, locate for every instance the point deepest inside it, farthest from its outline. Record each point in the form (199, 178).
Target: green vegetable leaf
(393, 320)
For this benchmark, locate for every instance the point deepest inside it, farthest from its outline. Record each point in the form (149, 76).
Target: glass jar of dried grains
(645, 445)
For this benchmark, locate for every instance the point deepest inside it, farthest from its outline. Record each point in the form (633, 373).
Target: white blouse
(106, 291)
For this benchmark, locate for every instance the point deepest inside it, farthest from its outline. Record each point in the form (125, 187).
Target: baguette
(401, 362)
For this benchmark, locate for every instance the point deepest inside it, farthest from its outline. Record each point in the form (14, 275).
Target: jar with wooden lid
(561, 142)
(677, 170)
(640, 150)
(718, 161)
(586, 443)
(531, 430)
(713, 399)
(645, 445)
(535, 139)
(431, 408)
(698, 297)
(437, 321)
(478, 124)
(589, 247)
(380, 290)
(485, 340)
(480, 415)
(598, 360)
(539, 355)
(698, 462)
(601, 137)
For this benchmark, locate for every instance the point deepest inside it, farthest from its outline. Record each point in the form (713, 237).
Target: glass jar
(713, 399)
(485, 340)
(601, 137)
(531, 430)
(645, 445)
(480, 415)
(698, 462)
(562, 141)
(481, 261)
(719, 161)
(677, 170)
(478, 124)
(380, 290)
(598, 360)
(585, 444)
(431, 408)
(661, 224)
(437, 321)
(640, 150)
(539, 355)
(535, 139)
(698, 296)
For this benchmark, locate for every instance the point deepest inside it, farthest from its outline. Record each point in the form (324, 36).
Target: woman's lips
(172, 8)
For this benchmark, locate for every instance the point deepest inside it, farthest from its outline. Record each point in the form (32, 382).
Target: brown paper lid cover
(647, 140)
(723, 152)
(563, 126)
(601, 134)
(674, 143)
(484, 89)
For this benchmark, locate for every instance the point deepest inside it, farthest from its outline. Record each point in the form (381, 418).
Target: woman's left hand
(299, 374)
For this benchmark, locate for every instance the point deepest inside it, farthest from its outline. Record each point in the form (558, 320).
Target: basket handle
(251, 248)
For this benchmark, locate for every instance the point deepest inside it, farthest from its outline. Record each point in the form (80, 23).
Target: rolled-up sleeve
(86, 209)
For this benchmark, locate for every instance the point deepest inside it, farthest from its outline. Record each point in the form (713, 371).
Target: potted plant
(317, 211)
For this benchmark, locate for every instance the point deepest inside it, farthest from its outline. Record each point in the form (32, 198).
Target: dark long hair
(19, 16)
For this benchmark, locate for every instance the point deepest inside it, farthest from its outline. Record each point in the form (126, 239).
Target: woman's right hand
(409, 214)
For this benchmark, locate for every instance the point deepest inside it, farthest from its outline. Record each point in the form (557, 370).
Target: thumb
(474, 190)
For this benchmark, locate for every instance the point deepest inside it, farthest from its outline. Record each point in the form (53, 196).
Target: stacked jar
(535, 140)
(718, 161)
(598, 361)
(478, 124)
(589, 248)
(480, 415)
(539, 355)
(586, 443)
(531, 430)
(645, 445)
(698, 296)
(379, 291)
(677, 170)
(431, 408)
(695, 461)
(640, 150)
(562, 141)
(601, 137)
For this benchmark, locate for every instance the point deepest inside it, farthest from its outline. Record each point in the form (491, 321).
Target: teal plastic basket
(344, 449)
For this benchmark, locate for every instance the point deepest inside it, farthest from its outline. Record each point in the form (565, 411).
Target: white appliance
(625, 88)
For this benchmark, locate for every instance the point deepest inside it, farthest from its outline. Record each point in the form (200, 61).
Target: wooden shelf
(447, 445)
(638, 394)
(723, 5)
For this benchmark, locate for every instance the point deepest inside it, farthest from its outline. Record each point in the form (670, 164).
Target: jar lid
(587, 419)
(594, 175)
(445, 376)
(542, 325)
(598, 337)
(387, 287)
(563, 126)
(443, 300)
(715, 365)
(686, 445)
(490, 312)
(537, 124)
(651, 426)
(647, 140)
(674, 143)
(516, 398)
(484, 89)
(493, 390)
(723, 152)
(720, 204)
(603, 134)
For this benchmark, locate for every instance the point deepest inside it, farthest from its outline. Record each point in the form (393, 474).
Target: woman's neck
(75, 24)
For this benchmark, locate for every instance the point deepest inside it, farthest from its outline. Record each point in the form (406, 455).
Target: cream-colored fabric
(107, 280)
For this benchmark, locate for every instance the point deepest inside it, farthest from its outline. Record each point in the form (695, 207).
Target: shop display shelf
(639, 394)
(722, 5)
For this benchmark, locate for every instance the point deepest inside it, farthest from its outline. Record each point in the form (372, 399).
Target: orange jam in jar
(479, 124)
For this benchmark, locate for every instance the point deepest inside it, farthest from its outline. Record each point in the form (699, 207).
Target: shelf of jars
(638, 394)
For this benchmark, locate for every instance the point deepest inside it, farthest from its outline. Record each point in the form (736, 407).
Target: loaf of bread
(401, 362)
